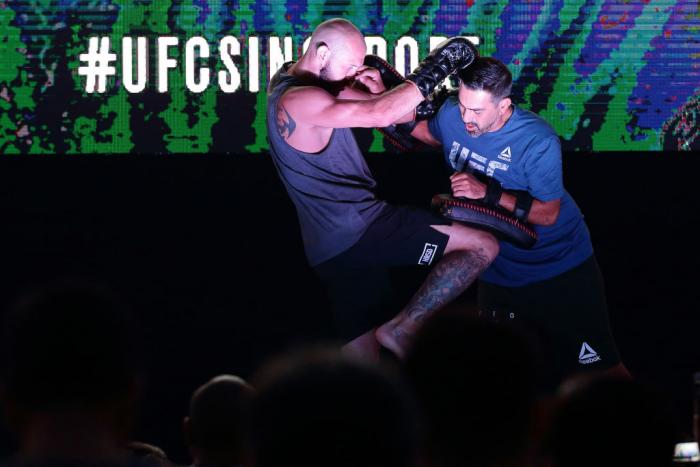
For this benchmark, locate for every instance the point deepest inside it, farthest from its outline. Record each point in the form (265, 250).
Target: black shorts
(357, 280)
(566, 317)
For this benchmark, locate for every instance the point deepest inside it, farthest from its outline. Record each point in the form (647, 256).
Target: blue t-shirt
(524, 154)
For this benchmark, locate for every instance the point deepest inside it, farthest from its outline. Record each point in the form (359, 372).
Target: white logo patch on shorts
(428, 254)
(587, 355)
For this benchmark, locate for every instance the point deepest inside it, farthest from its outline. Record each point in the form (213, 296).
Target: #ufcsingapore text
(97, 63)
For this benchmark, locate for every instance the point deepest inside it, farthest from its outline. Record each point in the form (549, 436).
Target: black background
(206, 250)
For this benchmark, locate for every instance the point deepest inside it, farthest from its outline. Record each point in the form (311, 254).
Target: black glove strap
(493, 192)
(523, 203)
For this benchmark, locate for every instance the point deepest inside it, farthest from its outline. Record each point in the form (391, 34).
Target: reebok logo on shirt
(505, 154)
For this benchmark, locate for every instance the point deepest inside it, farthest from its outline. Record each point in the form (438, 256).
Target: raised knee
(490, 245)
(479, 241)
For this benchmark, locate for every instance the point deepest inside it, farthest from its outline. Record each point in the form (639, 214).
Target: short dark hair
(487, 74)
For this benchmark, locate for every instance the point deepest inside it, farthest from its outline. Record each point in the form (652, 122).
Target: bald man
(350, 236)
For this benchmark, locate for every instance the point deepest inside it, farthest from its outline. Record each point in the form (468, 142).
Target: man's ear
(504, 104)
(323, 53)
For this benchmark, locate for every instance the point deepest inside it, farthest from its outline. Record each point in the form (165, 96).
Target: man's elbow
(432, 142)
(421, 133)
(550, 218)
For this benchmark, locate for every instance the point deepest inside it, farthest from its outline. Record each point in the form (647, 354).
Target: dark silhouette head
(213, 429)
(474, 382)
(613, 422)
(317, 409)
(147, 455)
(69, 357)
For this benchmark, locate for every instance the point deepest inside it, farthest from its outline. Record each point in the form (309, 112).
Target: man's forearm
(396, 104)
(357, 93)
(409, 117)
(540, 213)
(422, 133)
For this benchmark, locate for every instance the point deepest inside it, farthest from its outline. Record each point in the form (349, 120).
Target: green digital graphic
(607, 75)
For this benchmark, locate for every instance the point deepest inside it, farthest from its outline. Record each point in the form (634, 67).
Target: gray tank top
(333, 190)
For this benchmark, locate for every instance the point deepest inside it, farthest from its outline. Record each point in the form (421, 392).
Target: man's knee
(468, 239)
(487, 243)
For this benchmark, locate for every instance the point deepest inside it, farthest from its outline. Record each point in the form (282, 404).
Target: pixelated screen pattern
(608, 75)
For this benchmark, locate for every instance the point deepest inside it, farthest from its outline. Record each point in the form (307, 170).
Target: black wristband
(523, 203)
(493, 192)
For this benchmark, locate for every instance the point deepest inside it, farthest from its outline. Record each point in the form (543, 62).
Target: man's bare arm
(353, 93)
(422, 133)
(314, 106)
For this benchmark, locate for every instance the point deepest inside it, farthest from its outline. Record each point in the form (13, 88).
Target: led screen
(608, 75)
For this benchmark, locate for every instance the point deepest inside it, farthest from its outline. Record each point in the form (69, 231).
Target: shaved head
(336, 51)
(337, 33)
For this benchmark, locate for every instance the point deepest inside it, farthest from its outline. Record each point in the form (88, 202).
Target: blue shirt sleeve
(543, 170)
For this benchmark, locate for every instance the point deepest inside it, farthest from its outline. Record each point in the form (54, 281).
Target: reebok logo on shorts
(587, 355)
(428, 254)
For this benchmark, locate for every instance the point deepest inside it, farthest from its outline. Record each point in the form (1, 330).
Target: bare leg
(364, 347)
(449, 278)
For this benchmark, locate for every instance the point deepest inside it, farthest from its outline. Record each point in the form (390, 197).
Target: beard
(477, 130)
(324, 74)
(332, 86)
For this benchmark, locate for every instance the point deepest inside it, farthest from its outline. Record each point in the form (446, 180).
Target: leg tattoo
(450, 277)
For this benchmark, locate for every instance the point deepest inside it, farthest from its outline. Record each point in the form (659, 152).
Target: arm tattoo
(448, 279)
(285, 123)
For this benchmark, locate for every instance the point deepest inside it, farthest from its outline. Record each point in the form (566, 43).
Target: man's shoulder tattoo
(285, 123)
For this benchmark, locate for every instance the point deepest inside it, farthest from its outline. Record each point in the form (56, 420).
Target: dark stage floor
(207, 251)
